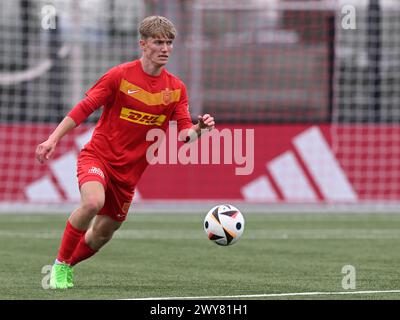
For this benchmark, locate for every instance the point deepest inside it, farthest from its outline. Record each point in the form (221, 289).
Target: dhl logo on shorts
(147, 119)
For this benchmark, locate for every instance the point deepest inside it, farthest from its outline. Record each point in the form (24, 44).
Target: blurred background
(317, 81)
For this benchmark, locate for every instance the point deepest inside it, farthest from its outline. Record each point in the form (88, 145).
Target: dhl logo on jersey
(147, 119)
(164, 97)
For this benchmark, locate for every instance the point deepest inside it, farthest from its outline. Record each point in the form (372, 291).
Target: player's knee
(101, 234)
(92, 205)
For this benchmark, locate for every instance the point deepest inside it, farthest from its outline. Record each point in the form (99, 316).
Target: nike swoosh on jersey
(164, 97)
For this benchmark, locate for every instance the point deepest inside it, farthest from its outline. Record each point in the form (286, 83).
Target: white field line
(181, 234)
(271, 295)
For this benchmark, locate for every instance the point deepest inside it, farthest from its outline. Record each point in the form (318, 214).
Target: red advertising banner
(254, 163)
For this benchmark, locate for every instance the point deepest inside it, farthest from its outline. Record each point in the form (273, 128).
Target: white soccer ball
(224, 224)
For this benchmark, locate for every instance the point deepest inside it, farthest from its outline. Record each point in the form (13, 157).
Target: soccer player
(136, 96)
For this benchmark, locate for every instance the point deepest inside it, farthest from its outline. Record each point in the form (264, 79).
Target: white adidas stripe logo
(291, 179)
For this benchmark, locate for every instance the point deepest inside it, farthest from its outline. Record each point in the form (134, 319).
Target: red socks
(82, 252)
(69, 241)
(73, 247)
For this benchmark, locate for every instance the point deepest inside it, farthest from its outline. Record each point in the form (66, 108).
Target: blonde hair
(157, 27)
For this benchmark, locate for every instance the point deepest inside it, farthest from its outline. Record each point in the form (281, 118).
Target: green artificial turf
(169, 255)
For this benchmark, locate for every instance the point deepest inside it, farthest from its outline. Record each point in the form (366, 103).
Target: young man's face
(156, 50)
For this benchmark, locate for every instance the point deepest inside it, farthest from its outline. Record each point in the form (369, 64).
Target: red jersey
(134, 102)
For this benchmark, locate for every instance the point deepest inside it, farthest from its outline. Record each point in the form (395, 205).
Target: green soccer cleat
(70, 276)
(61, 276)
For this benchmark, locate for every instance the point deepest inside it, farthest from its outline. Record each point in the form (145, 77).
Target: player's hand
(45, 150)
(206, 122)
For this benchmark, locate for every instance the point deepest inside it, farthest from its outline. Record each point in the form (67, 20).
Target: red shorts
(118, 197)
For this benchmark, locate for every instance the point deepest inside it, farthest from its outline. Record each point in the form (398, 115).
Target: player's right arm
(100, 94)
(75, 117)
(45, 150)
(78, 114)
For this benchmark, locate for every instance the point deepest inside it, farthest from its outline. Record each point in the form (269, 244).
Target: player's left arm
(205, 123)
(187, 130)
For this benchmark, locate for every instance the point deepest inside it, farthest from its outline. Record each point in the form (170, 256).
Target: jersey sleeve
(181, 113)
(105, 89)
(83, 110)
